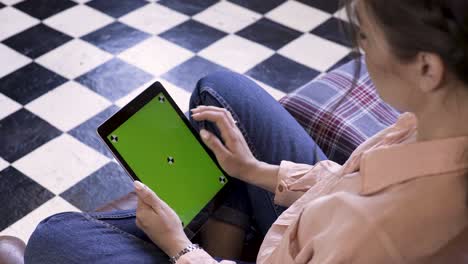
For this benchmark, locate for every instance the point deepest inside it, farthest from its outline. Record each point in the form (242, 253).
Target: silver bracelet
(184, 251)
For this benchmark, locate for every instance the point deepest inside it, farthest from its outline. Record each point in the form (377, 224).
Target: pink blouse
(394, 201)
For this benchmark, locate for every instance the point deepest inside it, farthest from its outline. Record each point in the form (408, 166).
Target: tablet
(157, 145)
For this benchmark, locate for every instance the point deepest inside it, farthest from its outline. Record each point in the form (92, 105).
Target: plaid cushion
(360, 115)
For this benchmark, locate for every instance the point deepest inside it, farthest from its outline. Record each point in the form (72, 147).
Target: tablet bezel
(132, 108)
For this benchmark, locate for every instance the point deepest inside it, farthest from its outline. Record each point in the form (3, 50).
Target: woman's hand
(159, 221)
(234, 156)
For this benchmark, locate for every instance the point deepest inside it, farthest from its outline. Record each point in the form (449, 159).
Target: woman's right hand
(235, 156)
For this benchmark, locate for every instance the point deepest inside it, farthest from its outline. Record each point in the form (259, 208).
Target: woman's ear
(431, 70)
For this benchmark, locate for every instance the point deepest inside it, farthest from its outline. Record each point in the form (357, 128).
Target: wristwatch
(184, 251)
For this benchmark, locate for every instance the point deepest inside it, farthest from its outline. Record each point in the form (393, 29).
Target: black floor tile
(37, 40)
(193, 35)
(269, 33)
(19, 195)
(330, 6)
(114, 79)
(351, 56)
(282, 73)
(334, 30)
(43, 9)
(260, 6)
(29, 82)
(188, 7)
(22, 132)
(103, 186)
(86, 132)
(116, 8)
(188, 73)
(116, 37)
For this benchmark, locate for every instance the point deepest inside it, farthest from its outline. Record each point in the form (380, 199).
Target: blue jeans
(273, 135)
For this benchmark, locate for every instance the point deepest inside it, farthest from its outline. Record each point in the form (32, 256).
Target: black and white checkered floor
(66, 66)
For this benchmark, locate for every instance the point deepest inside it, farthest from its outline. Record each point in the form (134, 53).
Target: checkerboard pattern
(67, 65)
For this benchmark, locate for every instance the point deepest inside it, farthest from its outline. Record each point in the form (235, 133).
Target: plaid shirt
(360, 115)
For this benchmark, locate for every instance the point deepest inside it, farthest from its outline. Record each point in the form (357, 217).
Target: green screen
(166, 156)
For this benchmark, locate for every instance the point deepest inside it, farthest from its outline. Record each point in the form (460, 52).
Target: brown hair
(412, 26)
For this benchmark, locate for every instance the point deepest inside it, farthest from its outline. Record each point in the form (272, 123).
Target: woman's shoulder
(403, 131)
(417, 217)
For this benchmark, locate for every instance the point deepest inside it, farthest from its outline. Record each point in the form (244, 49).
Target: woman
(399, 198)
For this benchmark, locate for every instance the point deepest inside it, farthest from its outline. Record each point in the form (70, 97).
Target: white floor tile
(13, 21)
(74, 58)
(10, 2)
(12, 60)
(60, 163)
(7, 106)
(298, 16)
(236, 53)
(3, 164)
(26, 225)
(78, 20)
(68, 105)
(82, 1)
(10, 231)
(154, 18)
(180, 96)
(156, 55)
(275, 93)
(341, 14)
(129, 97)
(314, 52)
(227, 17)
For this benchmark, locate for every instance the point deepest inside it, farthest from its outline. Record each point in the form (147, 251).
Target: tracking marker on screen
(161, 99)
(222, 179)
(170, 160)
(114, 138)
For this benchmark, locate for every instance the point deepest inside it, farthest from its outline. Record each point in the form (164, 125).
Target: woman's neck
(444, 117)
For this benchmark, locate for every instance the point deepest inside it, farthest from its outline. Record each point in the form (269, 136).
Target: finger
(147, 196)
(206, 107)
(213, 142)
(142, 212)
(221, 120)
(143, 207)
(203, 108)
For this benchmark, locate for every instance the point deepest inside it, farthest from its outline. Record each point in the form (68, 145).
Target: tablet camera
(114, 138)
(222, 180)
(161, 99)
(170, 160)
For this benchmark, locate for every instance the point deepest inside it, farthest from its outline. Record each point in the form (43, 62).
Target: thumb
(213, 142)
(146, 195)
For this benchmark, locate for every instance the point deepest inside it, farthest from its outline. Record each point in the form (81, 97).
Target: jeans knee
(221, 84)
(216, 77)
(220, 80)
(212, 81)
(50, 235)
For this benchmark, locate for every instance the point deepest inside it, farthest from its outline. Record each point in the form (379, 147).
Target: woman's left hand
(159, 221)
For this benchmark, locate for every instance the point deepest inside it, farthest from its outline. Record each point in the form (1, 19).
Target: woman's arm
(164, 228)
(331, 230)
(234, 155)
(263, 175)
(288, 181)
